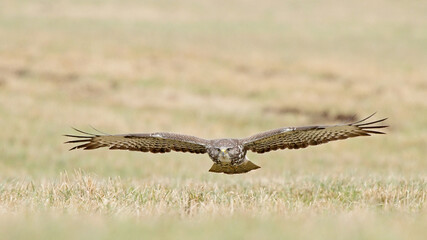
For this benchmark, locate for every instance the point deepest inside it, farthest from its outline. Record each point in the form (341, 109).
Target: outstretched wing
(145, 142)
(301, 137)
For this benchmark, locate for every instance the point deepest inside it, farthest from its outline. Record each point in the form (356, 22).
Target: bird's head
(224, 149)
(227, 152)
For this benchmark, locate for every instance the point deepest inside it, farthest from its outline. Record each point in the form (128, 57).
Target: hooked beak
(223, 151)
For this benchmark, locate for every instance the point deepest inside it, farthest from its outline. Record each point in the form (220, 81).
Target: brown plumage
(229, 155)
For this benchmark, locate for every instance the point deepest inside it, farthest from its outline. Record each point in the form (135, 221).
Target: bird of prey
(229, 154)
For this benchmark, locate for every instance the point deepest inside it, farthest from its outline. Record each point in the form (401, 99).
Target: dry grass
(115, 208)
(84, 194)
(212, 70)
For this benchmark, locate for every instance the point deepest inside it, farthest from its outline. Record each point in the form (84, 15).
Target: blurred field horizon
(212, 69)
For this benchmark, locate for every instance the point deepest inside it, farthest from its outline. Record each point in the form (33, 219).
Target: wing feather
(145, 142)
(301, 137)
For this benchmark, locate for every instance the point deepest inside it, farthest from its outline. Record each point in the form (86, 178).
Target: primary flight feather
(229, 154)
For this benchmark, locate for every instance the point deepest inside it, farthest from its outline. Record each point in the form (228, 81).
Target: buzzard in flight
(229, 154)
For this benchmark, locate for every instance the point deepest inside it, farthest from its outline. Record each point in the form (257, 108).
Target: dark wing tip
(364, 119)
(77, 147)
(83, 132)
(76, 136)
(85, 139)
(369, 127)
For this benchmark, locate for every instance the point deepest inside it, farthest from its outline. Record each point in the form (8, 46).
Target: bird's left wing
(144, 142)
(301, 137)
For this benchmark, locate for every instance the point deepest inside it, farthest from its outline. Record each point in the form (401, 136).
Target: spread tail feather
(229, 169)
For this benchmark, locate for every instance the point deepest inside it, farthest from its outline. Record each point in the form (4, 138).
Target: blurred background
(212, 69)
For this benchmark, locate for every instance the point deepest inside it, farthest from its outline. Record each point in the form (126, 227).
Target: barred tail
(229, 169)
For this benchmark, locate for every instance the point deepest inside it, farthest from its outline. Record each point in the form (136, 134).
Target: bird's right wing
(145, 142)
(301, 137)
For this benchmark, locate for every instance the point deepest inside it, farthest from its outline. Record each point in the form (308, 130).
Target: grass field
(212, 69)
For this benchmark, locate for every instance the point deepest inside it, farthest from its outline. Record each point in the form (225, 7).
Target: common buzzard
(229, 154)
